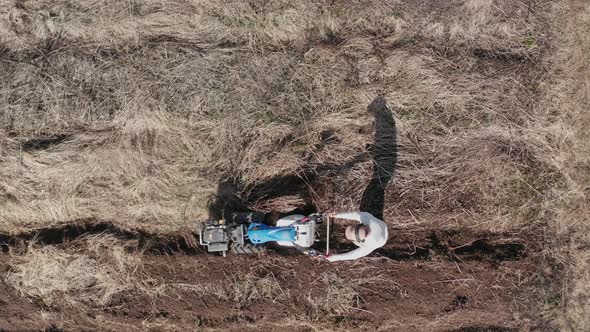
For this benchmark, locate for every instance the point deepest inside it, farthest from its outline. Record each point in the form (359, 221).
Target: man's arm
(362, 217)
(354, 254)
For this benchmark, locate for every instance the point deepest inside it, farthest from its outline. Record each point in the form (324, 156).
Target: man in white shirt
(370, 234)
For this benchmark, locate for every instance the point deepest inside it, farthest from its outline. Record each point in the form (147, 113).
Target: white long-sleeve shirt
(376, 238)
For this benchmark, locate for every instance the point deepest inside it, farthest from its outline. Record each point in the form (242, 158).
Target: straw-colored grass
(102, 269)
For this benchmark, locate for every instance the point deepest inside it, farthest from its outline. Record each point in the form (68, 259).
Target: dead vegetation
(167, 109)
(340, 297)
(100, 269)
(239, 291)
(133, 112)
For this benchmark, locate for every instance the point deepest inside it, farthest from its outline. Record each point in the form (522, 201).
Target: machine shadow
(232, 197)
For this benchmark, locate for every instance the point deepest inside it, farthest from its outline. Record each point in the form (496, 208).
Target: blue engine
(261, 233)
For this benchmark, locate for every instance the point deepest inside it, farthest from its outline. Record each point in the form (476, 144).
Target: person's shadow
(384, 154)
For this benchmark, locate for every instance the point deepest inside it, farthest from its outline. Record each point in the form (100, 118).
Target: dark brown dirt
(150, 243)
(18, 314)
(424, 280)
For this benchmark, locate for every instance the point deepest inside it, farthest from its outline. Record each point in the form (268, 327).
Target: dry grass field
(125, 122)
